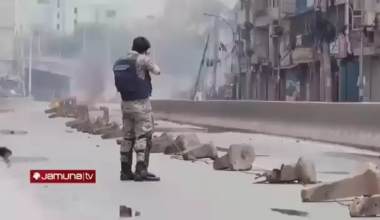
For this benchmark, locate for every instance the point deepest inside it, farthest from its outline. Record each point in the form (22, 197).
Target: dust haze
(177, 30)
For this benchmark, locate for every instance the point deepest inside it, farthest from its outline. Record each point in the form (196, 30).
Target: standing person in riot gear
(133, 82)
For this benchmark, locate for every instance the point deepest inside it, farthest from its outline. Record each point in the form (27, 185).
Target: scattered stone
(97, 145)
(13, 132)
(240, 157)
(182, 143)
(365, 206)
(159, 144)
(366, 183)
(5, 154)
(291, 212)
(204, 151)
(125, 212)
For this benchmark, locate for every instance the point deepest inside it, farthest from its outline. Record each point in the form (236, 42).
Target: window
(75, 10)
(274, 3)
(58, 15)
(58, 3)
(58, 26)
(75, 22)
(111, 13)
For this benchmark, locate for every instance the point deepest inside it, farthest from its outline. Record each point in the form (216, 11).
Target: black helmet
(140, 45)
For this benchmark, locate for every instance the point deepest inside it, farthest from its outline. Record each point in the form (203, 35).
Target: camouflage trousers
(137, 129)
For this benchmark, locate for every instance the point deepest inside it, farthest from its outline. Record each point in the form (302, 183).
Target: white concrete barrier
(356, 124)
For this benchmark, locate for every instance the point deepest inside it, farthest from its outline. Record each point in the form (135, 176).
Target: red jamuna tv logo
(63, 176)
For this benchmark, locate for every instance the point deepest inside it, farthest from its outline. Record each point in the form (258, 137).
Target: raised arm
(150, 65)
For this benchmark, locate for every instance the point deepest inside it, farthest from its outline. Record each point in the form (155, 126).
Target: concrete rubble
(364, 184)
(159, 144)
(303, 172)
(182, 143)
(240, 157)
(365, 206)
(63, 108)
(204, 151)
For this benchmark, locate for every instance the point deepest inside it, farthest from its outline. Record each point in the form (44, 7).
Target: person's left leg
(143, 128)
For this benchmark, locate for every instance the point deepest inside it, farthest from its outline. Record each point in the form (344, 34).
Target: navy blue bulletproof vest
(128, 84)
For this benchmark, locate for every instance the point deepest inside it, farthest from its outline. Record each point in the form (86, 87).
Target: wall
(371, 71)
(375, 82)
(330, 122)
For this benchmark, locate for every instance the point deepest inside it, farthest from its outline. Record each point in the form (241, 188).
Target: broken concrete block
(74, 122)
(204, 151)
(159, 144)
(56, 115)
(365, 166)
(306, 172)
(113, 127)
(288, 173)
(118, 133)
(99, 123)
(366, 184)
(86, 127)
(106, 114)
(52, 110)
(365, 206)
(82, 112)
(240, 157)
(183, 142)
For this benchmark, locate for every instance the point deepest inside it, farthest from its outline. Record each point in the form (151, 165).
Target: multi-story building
(366, 14)
(61, 16)
(8, 43)
(301, 74)
(259, 61)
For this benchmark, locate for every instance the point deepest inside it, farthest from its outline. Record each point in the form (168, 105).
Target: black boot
(141, 173)
(126, 173)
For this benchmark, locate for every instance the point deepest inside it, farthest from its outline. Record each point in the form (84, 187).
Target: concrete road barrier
(356, 124)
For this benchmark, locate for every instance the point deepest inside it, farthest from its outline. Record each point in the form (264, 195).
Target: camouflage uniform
(137, 126)
(138, 118)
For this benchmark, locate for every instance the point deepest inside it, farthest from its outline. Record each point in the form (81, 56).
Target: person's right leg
(143, 129)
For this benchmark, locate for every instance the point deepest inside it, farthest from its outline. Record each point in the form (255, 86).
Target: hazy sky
(140, 8)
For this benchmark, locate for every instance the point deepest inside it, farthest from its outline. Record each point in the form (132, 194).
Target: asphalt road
(187, 191)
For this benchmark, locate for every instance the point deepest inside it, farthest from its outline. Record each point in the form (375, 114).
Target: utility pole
(278, 55)
(248, 90)
(361, 83)
(326, 91)
(30, 64)
(84, 40)
(213, 91)
(239, 90)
